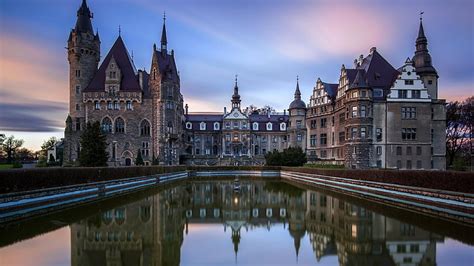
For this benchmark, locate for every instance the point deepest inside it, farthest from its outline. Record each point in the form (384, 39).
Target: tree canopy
(292, 156)
(93, 146)
(10, 145)
(459, 123)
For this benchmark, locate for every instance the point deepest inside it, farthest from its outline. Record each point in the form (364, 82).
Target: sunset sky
(267, 43)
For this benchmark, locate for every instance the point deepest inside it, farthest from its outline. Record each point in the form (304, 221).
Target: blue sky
(267, 43)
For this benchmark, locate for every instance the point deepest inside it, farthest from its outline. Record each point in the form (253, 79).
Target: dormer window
(255, 126)
(216, 126)
(282, 126)
(202, 126)
(189, 125)
(269, 126)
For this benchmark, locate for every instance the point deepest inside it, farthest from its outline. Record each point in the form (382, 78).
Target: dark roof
(378, 72)
(129, 80)
(83, 23)
(166, 65)
(359, 81)
(297, 103)
(351, 73)
(205, 117)
(146, 87)
(331, 89)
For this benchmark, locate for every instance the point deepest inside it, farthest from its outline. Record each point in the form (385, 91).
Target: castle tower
(83, 55)
(297, 125)
(236, 97)
(168, 111)
(423, 64)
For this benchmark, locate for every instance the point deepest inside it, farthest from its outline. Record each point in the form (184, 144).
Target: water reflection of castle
(150, 231)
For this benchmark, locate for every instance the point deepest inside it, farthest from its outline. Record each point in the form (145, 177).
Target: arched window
(106, 125)
(145, 128)
(119, 125)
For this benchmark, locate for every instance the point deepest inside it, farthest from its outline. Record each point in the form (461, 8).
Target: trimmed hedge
(38, 178)
(443, 180)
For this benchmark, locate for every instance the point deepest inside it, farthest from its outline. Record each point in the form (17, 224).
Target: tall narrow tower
(297, 126)
(83, 48)
(423, 64)
(168, 111)
(83, 56)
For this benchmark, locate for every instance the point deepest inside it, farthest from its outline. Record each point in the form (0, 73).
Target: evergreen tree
(293, 156)
(139, 159)
(93, 146)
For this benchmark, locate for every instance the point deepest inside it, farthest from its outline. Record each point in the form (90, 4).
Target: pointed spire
(297, 91)
(421, 31)
(164, 40)
(422, 58)
(83, 23)
(236, 97)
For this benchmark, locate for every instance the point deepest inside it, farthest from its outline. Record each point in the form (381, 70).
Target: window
(408, 133)
(275, 139)
(227, 137)
(78, 73)
(119, 125)
(283, 126)
(323, 122)
(116, 105)
(415, 94)
(236, 124)
(353, 132)
(78, 124)
(323, 139)
(408, 164)
(189, 125)
(408, 82)
(408, 150)
(78, 89)
(313, 124)
(418, 150)
(399, 164)
(408, 112)
(401, 248)
(312, 140)
(112, 74)
(216, 126)
(399, 150)
(378, 134)
(97, 105)
(363, 94)
(378, 92)
(255, 126)
(342, 117)
(379, 164)
(269, 126)
(145, 128)
(106, 125)
(362, 132)
(78, 107)
(418, 164)
(298, 123)
(362, 111)
(109, 105)
(402, 94)
(354, 111)
(323, 154)
(379, 150)
(299, 137)
(145, 149)
(342, 136)
(430, 82)
(202, 126)
(129, 105)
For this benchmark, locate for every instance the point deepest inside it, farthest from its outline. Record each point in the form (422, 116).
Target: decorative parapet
(122, 96)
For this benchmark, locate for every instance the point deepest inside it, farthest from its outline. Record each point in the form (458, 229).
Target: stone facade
(376, 116)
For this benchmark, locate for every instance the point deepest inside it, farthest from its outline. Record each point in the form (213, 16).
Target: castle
(376, 116)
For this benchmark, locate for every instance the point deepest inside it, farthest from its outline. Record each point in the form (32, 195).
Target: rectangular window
(78, 107)
(323, 139)
(116, 105)
(379, 150)
(409, 82)
(378, 134)
(399, 164)
(378, 93)
(323, 122)
(408, 150)
(408, 164)
(418, 150)
(416, 94)
(364, 94)
(342, 117)
(342, 136)
(78, 73)
(408, 112)
(362, 111)
(313, 124)
(109, 105)
(298, 123)
(399, 150)
(353, 132)
(418, 164)
(408, 133)
(430, 82)
(129, 105)
(312, 140)
(362, 133)
(332, 140)
(379, 164)
(299, 137)
(78, 89)
(97, 105)
(354, 111)
(402, 94)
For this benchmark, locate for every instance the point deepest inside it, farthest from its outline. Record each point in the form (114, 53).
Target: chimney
(225, 110)
(373, 49)
(361, 58)
(355, 63)
(186, 108)
(284, 111)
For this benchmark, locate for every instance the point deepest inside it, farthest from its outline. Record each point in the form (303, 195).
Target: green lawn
(5, 166)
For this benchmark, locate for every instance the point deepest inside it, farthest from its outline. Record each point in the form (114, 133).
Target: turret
(297, 119)
(423, 64)
(83, 56)
(236, 97)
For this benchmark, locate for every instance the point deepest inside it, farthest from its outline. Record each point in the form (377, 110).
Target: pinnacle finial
(421, 15)
(120, 31)
(164, 16)
(236, 76)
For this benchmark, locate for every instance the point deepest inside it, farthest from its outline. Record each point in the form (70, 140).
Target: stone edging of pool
(446, 204)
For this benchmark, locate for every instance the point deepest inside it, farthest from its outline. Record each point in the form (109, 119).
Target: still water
(211, 223)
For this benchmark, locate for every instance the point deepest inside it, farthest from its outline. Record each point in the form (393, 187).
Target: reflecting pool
(259, 222)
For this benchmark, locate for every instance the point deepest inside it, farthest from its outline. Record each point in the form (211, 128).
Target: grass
(6, 166)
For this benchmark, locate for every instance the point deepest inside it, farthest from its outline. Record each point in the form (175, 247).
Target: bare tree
(10, 145)
(459, 123)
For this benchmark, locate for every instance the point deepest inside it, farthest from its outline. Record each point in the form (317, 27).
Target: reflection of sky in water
(152, 227)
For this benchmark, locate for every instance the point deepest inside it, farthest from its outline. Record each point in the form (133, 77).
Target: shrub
(17, 165)
(292, 156)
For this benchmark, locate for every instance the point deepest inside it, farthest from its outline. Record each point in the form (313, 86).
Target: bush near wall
(443, 180)
(39, 178)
